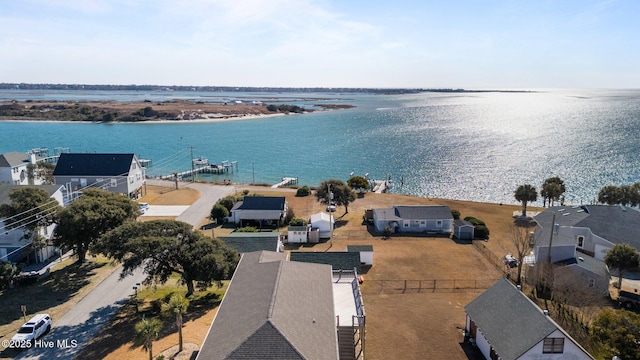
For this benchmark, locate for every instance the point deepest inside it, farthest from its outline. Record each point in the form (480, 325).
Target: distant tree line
(623, 195)
(77, 112)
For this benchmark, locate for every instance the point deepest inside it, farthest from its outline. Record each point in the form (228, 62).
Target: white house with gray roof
(13, 168)
(505, 324)
(435, 219)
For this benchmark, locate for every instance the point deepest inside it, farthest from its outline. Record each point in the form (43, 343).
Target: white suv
(33, 329)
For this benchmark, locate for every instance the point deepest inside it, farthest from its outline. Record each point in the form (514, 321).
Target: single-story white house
(265, 210)
(324, 222)
(435, 219)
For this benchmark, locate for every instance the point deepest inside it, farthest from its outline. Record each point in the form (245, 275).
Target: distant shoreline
(146, 112)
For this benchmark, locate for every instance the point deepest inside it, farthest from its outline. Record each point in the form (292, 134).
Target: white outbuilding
(324, 223)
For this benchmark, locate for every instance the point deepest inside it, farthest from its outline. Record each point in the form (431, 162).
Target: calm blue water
(477, 146)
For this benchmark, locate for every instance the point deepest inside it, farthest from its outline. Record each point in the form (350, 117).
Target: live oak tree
(342, 193)
(358, 182)
(86, 219)
(616, 333)
(622, 257)
(165, 247)
(525, 194)
(30, 209)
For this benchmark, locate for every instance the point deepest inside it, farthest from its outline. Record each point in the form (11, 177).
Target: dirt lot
(416, 322)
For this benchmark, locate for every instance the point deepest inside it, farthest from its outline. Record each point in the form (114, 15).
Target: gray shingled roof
(274, 309)
(337, 259)
(509, 320)
(588, 263)
(79, 164)
(12, 159)
(461, 222)
(435, 212)
(617, 224)
(245, 242)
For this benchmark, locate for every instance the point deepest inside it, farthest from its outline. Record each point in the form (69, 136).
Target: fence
(492, 257)
(426, 286)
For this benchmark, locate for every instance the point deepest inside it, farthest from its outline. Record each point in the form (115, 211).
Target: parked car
(628, 299)
(511, 261)
(33, 329)
(144, 207)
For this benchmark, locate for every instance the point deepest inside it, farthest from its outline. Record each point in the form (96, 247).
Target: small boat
(201, 161)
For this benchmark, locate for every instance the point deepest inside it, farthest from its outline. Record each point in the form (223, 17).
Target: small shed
(324, 223)
(463, 230)
(366, 253)
(297, 234)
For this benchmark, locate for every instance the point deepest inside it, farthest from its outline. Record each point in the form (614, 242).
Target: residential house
(13, 168)
(244, 242)
(583, 272)
(324, 223)
(589, 229)
(276, 309)
(261, 210)
(117, 173)
(14, 247)
(505, 324)
(435, 219)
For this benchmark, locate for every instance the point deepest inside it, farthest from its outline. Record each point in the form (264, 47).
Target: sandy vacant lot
(418, 322)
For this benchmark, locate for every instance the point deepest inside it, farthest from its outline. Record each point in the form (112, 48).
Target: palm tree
(525, 193)
(552, 189)
(177, 306)
(622, 257)
(146, 332)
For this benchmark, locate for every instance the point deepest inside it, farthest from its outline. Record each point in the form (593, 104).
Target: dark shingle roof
(337, 259)
(436, 212)
(274, 309)
(250, 242)
(74, 164)
(460, 222)
(12, 159)
(359, 248)
(509, 320)
(263, 203)
(588, 263)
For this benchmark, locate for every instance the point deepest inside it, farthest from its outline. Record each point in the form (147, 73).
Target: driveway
(83, 321)
(165, 210)
(201, 209)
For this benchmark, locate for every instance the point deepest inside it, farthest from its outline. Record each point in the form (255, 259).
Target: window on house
(114, 183)
(553, 346)
(83, 182)
(580, 241)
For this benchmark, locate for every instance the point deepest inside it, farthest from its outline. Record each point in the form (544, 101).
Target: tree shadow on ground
(120, 330)
(60, 286)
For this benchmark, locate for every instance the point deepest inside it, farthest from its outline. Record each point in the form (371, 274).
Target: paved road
(76, 327)
(201, 209)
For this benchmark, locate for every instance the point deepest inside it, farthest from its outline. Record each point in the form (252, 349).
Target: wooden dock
(286, 181)
(225, 167)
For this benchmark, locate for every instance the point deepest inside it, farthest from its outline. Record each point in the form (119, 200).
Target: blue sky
(325, 43)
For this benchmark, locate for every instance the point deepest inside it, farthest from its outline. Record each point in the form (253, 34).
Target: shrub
(386, 233)
(475, 221)
(219, 212)
(482, 232)
(247, 229)
(297, 222)
(455, 214)
(303, 191)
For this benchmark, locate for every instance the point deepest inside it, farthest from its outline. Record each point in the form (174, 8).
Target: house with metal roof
(276, 309)
(435, 219)
(263, 210)
(15, 243)
(505, 324)
(118, 173)
(244, 242)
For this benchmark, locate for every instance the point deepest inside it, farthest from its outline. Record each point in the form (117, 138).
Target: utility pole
(193, 167)
(253, 174)
(553, 225)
